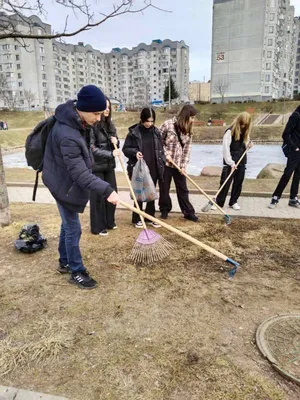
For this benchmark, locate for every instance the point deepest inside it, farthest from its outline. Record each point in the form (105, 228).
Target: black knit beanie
(91, 99)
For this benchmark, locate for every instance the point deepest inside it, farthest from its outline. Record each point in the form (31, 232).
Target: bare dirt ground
(178, 330)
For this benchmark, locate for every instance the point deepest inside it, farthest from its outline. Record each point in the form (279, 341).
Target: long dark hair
(107, 120)
(146, 113)
(183, 119)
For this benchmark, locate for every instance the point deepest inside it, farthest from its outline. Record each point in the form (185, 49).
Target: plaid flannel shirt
(180, 155)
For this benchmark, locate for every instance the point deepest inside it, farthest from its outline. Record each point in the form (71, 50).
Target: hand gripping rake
(149, 246)
(187, 237)
(210, 203)
(226, 216)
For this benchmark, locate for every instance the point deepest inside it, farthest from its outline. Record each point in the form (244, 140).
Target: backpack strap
(35, 185)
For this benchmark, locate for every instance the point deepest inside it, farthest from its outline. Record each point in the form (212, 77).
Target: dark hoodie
(67, 167)
(291, 134)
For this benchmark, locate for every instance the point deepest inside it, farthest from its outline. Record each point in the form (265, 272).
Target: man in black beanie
(67, 174)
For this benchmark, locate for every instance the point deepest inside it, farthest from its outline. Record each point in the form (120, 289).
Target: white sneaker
(139, 225)
(154, 224)
(236, 206)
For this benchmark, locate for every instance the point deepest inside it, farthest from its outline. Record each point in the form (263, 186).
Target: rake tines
(149, 248)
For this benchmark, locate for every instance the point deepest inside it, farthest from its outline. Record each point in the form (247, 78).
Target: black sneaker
(294, 203)
(63, 268)
(164, 215)
(83, 280)
(193, 218)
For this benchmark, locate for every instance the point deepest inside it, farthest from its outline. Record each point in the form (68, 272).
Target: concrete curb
(9, 393)
(125, 189)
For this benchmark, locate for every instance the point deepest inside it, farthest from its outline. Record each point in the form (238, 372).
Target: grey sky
(190, 20)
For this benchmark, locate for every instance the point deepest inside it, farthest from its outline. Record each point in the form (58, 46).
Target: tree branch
(9, 30)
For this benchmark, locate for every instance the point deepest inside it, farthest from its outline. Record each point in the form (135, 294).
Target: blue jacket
(67, 166)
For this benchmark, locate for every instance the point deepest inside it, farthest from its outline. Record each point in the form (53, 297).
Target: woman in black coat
(103, 136)
(144, 141)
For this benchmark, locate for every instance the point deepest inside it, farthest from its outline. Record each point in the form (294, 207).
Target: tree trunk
(4, 203)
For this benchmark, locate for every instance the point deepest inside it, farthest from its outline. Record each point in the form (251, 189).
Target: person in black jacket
(103, 138)
(144, 141)
(290, 136)
(235, 141)
(67, 172)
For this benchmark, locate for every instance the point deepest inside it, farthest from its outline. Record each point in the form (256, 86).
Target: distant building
(253, 50)
(297, 65)
(54, 72)
(199, 91)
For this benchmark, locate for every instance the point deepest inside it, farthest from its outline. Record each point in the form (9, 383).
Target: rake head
(235, 264)
(150, 247)
(207, 207)
(227, 219)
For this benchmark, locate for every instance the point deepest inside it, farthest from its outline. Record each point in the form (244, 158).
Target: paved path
(8, 393)
(250, 206)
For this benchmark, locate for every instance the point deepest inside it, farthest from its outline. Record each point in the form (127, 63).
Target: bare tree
(221, 87)
(86, 10)
(4, 203)
(9, 97)
(29, 97)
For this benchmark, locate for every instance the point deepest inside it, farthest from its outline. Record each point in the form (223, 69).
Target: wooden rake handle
(198, 187)
(130, 186)
(177, 231)
(232, 172)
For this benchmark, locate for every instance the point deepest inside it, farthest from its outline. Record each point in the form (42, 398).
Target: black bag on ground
(30, 239)
(35, 147)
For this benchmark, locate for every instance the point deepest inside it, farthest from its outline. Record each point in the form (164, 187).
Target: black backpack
(35, 147)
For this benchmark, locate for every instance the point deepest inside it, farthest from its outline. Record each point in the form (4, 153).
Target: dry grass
(21, 123)
(176, 330)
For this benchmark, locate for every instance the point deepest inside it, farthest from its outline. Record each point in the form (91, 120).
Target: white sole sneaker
(236, 207)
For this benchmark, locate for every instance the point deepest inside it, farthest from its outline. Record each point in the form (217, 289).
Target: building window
(20, 84)
(42, 50)
(44, 84)
(16, 47)
(42, 58)
(267, 89)
(19, 76)
(272, 17)
(268, 78)
(269, 54)
(6, 47)
(8, 65)
(17, 57)
(18, 66)
(270, 42)
(44, 76)
(268, 66)
(271, 29)
(43, 67)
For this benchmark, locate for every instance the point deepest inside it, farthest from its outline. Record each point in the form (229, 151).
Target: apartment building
(253, 50)
(54, 72)
(199, 91)
(297, 64)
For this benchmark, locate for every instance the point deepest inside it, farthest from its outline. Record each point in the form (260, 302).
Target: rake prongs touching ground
(210, 203)
(226, 216)
(149, 247)
(197, 242)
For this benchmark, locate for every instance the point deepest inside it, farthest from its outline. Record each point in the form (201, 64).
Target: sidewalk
(250, 206)
(8, 393)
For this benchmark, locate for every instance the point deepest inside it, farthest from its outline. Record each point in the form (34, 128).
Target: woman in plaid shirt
(177, 141)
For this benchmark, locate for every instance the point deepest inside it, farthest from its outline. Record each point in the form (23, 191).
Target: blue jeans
(70, 233)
